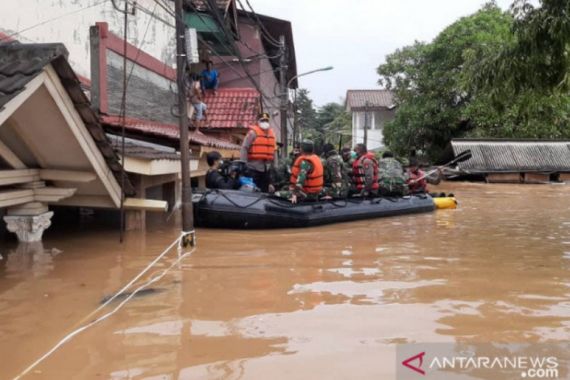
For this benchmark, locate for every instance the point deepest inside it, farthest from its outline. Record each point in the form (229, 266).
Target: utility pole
(366, 123)
(284, 94)
(187, 213)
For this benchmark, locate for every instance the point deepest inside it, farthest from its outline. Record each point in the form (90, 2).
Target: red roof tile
(232, 107)
(169, 131)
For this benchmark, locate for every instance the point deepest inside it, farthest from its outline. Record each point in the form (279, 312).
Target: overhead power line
(51, 20)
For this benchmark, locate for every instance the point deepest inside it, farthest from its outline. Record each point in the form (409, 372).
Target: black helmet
(307, 146)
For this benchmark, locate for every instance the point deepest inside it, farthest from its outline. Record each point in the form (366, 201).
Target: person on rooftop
(210, 78)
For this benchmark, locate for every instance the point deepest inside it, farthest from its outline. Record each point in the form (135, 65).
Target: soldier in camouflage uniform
(337, 182)
(391, 177)
(348, 161)
(306, 182)
(282, 173)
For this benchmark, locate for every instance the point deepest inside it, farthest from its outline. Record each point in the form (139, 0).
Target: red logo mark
(418, 357)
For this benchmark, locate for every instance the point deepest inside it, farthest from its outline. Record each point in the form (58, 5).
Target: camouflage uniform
(305, 169)
(391, 178)
(282, 173)
(337, 181)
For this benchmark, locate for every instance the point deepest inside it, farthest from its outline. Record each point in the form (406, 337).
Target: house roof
(504, 155)
(167, 131)
(143, 150)
(202, 5)
(232, 108)
(360, 100)
(21, 63)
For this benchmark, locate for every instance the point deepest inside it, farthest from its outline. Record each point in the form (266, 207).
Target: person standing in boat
(337, 183)
(258, 150)
(307, 176)
(214, 179)
(365, 172)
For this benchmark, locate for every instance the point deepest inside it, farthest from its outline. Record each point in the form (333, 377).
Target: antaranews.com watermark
(487, 361)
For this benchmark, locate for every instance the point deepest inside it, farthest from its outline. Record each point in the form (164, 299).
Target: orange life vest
(264, 146)
(315, 180)
(358, 174)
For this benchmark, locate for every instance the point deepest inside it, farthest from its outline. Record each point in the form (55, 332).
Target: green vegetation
(324, 124)
(492, 74)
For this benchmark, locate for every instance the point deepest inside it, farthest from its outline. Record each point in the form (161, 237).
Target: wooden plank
(67, 175)
(503, 178)
(536, 178)
(145, 204)
(13, 177)
(15, 197)
(52, 194)
(90, 201)
(16, 102)
(10, 157)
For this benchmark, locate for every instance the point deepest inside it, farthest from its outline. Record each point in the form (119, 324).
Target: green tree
(306, 113)
(440, 97)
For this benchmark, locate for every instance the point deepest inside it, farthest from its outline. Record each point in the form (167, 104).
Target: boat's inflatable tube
(236, 209)
(443, 203)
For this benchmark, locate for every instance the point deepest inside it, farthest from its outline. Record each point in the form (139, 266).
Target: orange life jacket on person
(358, 175)
(264, 145)
(315, 179)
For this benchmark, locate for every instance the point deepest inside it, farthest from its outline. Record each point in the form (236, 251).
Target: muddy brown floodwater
(330, 302)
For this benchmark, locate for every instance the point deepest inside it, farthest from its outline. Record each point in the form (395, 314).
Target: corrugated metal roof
(168, 131)
(143, 150)
(496, 155)
(356, 100)
(232, 108)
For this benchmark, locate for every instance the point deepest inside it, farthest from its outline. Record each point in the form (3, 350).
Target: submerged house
(515, 161)
(53, 149)
(370, 109)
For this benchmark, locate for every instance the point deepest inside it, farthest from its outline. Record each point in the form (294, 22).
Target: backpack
(391, 177)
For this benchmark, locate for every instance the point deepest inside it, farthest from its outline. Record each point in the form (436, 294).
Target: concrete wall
(73, 28)
(377, 121)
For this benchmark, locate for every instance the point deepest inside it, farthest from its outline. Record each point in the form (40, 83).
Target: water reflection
(332, 301)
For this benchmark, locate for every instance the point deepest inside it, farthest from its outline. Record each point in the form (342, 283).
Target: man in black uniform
(214, 179)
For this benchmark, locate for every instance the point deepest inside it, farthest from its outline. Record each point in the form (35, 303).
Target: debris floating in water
(141, 293)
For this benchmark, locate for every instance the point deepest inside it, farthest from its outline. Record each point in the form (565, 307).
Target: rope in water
(156, 276)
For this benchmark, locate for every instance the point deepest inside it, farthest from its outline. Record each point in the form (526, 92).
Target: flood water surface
(331, 302)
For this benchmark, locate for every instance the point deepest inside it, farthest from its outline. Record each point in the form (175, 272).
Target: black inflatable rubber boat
(239, 210)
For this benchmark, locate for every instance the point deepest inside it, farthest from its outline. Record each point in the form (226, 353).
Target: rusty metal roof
(507, 156)
(360, 100)
(143, 150)
(165, 131)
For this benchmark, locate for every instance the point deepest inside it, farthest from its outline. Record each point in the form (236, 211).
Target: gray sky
(355, 35)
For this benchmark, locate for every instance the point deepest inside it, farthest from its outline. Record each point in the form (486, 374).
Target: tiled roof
(20, 63)
(168, 131)
(357, 100)
(504, 155)
(232, 108)
(143, 150)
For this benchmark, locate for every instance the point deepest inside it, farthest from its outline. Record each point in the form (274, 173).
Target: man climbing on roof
(258, 150)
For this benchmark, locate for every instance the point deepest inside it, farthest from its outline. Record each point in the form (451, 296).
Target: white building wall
(375, 133)
(68, 22)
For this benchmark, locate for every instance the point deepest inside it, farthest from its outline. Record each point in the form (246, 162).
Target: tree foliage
(324, 124)
(441, 93)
